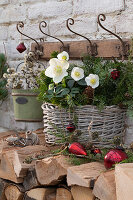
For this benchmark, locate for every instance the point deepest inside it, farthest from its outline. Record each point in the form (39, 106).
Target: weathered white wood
(83, 175)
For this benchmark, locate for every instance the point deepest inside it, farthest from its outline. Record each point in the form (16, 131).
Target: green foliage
(70, 93)
(54, 54)
(3, 82)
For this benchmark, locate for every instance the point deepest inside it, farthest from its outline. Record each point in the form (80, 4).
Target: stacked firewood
(54, 178)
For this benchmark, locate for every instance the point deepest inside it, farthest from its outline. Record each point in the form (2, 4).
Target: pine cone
(89, 93)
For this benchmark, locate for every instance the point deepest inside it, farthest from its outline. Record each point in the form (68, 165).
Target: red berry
(115, 74)
(21, 47)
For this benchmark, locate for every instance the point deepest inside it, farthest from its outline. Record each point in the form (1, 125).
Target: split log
(124, 181)
(20, 155)
(38, 193)
(84, 175)
(82, 193)
(30, 181)
(63, 194)
(7, 169)
(14, 192)
(12, 166)
(105, 187)
(51, 171)
(3, 185)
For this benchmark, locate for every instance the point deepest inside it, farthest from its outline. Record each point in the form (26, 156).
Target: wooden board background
(105, 48)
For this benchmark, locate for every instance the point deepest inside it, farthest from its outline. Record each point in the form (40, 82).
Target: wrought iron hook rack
(38, 46)
(93, 47)
(117, 48)
(43, 24)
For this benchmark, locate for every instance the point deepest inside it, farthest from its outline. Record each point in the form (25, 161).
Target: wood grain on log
(51, 171)
(82, 193)
(51, 196)
(83, 175)
(3, 185)
(124, 181)
(38, 193)
(14, 192)
(12, 166)
(105, 187)
(63, 194)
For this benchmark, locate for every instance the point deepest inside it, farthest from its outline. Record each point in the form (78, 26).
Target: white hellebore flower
(57, 70)
(77, 73)
(63, 56)
(92, 80)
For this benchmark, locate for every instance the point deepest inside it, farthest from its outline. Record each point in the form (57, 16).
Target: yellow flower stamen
(64, 57)
(77, 74)
(93, 81)
(57, 70)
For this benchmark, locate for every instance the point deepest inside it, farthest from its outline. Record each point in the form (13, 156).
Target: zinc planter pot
(26, 106)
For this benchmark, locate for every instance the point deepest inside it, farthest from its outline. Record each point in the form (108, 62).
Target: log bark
(14, 192)
(38, 193)
(51, 171)
(124, 181)
(82, 193)
(63, 194)
(30, 181)
(105, 187)
(84, 175)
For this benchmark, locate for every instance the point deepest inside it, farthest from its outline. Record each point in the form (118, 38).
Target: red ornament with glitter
(114, 156)
(71, 127)
(77, 148)
(115, 74)
(21, 47)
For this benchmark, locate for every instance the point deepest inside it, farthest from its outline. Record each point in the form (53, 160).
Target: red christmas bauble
(77, 148)
(114, 156)
(21, 47)
(71, 127)
(96, 151)
(115, 74)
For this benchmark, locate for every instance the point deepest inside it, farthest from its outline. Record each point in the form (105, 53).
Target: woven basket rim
(112, 107)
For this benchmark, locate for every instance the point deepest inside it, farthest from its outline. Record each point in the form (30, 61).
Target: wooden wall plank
(106, 48)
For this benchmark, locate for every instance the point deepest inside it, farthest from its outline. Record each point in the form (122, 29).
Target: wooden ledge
(105, 48)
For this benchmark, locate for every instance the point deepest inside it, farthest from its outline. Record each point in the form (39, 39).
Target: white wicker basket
(108, 123)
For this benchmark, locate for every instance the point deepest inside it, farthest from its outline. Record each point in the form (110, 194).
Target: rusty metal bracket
(124, 47)
(43, 24)
(92, 49)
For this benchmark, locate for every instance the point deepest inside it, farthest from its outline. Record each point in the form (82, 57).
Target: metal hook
(102, 17)
(44, 25)
(39, 48)
(93, 50)
(21, 25)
